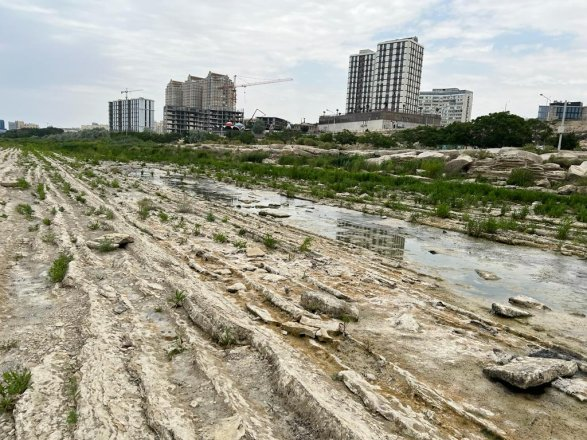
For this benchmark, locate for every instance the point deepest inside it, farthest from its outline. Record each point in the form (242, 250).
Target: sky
(61, 61)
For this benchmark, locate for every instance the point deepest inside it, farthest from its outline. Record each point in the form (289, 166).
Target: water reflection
(384, 241)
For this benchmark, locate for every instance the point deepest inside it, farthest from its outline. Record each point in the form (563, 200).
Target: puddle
(557, 280)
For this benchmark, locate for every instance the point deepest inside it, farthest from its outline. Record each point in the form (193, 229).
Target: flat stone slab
(509, 311)
(332, 326)
(114, 240)
(576, 388)
(328, 304)
(488, 276)
(255, 252)
(275, 214)
(528, 372)
(236, 287)
(263, 314)
(297, 329)
(527, 302)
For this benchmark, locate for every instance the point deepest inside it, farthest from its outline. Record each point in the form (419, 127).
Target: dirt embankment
(193, 330)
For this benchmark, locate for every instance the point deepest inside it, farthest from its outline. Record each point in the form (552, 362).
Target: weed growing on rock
(46, 221)
(269, 241)
(145, 205)
(242, 232)
(13, 384)
(562, 232)
(106, 246)
(34, 228)
(94, 226)
(72, 417)
(80, 198)
(197, 230)
(21, 183)
(305, 246)
(240, 244)
(521, 177)
(115, 184)
(219, 237)
(225, 219)
(49, 238)
(177, 299)
(210, 217)
(41, 191)
(25, 210)
(442, 210)
(59, 268)
(226, 337)
(178, 347)
(163, 216)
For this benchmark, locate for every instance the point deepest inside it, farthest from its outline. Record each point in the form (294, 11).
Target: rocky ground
(198, 326)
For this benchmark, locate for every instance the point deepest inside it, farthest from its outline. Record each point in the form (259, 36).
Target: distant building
(379, 121)
(131, 115)
(453, 105)
(17, 125)
(2, 127)
(554, 111)
(94, 125)
(159, 127)
(201, 104)
(11, 125)
(273, 123)
(385, 80)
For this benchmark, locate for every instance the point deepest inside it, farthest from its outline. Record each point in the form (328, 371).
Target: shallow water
(557, 280)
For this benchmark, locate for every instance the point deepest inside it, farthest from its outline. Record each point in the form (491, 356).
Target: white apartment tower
(131, 115)
(388, 79)
(453, 105)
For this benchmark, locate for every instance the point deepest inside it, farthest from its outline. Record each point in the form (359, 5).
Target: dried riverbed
(107, 345)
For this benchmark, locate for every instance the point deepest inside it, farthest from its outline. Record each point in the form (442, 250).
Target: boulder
(406, 322)
(573, 387)
(508, 311)
(115, 240)
(275, 214)
(527, 372)
(236, 287)
(297, 329)
(567, 189)
(328, 304)
(577, 171)
(489, 276)
(543, 183)
(254, 252)
(378, 160)
(461, 163)
(522, 155)
(527, 302)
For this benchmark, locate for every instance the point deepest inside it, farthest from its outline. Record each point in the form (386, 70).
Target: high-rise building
(200, 104)
(388, 79)
(2, 127)
(453, 105)
(134, 115)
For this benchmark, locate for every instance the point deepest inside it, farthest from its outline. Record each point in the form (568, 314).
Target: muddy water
(558, 281)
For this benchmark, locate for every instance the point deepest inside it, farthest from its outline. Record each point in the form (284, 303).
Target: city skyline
(63, 63)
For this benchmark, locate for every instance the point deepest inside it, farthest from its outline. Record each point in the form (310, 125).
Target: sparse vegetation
(210, 217)
(106, 246)
(58, 269)
(563, 230)
(226, 337)
(49, 238)
(25, 210)
(240, 244)
(13, 384)
(41, 191)
(163, 216)
(521, 177)
(269, 241)
(145, 206)
(46, 221)
(305, 246)
(21, 183)
(177, 299)
(219, 237)
(442, 210)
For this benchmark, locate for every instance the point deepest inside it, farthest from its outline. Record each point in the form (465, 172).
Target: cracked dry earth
(107, 346)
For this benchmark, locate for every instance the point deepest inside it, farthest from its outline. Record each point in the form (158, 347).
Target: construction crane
(126, 92)
(234, 85)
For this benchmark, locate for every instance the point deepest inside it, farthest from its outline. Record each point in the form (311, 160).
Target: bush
(269, 242)
(21, 183)
(13, 384)
(562, 232)
(219, 237)
(442, 210)
(58, 269)
(521, 177)
(305, 246)
(25, 210)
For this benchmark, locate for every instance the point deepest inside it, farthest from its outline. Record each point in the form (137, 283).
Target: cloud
(73, 55)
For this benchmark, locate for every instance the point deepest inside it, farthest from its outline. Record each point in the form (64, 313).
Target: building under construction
(201, 104)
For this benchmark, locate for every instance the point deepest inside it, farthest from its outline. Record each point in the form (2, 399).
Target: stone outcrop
(577, 171)
(528, 372)
(508, 311)
(113, 240)
(527, 302)
(573, 387)
(489, 276)
(328, 304)
(460, 164)
(523, 155)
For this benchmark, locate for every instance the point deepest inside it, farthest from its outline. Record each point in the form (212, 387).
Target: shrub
(13, 384)
(219, 237)
(145, 205)
(240, 244)
(115, 183)
(521, 177)
(59, 268)
(41, 191)
(210, 217)
(442, 210)
(25, 210)
(305, 246)
(163, 216)
(269, 242)
(21, 183)
(46, 221)
(562, 232)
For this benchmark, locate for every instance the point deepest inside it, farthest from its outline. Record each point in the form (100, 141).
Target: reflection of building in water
(384, 241)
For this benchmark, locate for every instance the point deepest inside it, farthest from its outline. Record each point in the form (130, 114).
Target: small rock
(370, 377)
(527, 302)
(263, 314)
(126, 342)
(406, 322)
(120, 307)
(508, 311)
(275, 214)
(273, 278)
(236, 287)
(527, 372)
(254, 252)
(573, 387)
(326, 303)
(488, 276)
(223, 271)
(323, 336)
(567, 189)
(550, 354)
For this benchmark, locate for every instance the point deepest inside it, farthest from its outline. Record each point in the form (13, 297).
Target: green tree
(258, 126)
(540, 131)
(345, 137)
(500, 130)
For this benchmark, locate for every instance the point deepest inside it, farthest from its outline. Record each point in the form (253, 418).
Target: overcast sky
(61, 61)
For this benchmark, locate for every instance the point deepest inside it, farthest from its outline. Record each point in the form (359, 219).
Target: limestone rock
(523, 155)
(328, 304)
(275, 214)
(489, 276)
(431, 155)
(273, 278)
(323, 336)
(461, 163)
(406, 322)
(332, 326)
(573, 387)
(236, 287)
(297, 329)
(567, 189)
(263, 314)
(254, 252)
(543, 183)
(527, 302)
(527, 372)
(115, 240)
(577, 171)
(508, 311)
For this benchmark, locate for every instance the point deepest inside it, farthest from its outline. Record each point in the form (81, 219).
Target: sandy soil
(107, 345)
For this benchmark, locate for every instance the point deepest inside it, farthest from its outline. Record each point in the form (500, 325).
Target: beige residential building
(174, 93)
(453, 105)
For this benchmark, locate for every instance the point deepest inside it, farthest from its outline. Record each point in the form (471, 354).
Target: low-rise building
(17, 125)
(94, 125)
(274, 123)
(379, 121)
(452, 104)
